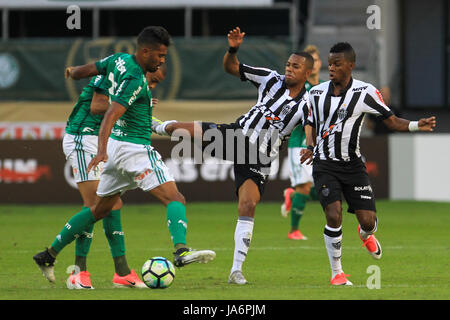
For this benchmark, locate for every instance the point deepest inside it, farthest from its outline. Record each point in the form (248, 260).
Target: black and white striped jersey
(338, 119)
(275, 113)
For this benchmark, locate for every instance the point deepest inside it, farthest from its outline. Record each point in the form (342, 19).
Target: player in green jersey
(130, 160)
(295, 198)
(80, 146)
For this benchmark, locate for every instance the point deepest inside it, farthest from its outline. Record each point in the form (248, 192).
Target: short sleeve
(374, 103)
(127, 91)
(255, 75)
(102, 65)
(100, 84)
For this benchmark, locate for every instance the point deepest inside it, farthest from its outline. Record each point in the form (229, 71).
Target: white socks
(242, 238)
(333, 239)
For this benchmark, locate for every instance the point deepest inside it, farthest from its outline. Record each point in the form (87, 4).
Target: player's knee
(118, 205)
(303, 188)
(98, 213)
(367, 220)
(181, 198)
(176, 197)
(247, 207)
(334, 215)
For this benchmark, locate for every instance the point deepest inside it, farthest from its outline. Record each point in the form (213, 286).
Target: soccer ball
(158, 273)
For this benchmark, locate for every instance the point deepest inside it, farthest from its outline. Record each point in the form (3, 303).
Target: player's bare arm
(99, 104)
(398, 124)
(111, 116)
(81, 72)
(306, 155)
(230, 60)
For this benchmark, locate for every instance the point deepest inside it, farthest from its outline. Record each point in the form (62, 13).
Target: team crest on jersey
(286, 109)
(342, 113)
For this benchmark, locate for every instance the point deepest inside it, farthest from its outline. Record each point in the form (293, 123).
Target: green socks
(74, 228)
(298, 205)
(177, 223)
(82, 245)
(80, 227)
(112, 226)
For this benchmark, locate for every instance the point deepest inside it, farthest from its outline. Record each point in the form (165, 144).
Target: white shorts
(300, 173)
(131, 166)
(79, 150)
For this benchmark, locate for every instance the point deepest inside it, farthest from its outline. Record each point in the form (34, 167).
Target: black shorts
(246, 166)
(334, 179)
(257, 174)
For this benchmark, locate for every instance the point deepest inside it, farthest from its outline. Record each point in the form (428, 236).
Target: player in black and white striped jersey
(275, 109)
(337, 113)
(282, 104)
(338, 119)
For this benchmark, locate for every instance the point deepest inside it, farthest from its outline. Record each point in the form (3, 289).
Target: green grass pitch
(414, 237)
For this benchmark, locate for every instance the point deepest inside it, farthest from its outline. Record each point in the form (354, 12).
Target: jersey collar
(343, 91)
(300, 95)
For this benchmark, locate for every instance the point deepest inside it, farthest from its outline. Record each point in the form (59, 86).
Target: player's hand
(235, 37)
(100, 157)
(154, 101)
(306, 155)
(67, 72)
(427, 124)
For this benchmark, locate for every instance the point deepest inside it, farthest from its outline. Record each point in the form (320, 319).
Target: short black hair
(309, 59)
(153, 35)
(346, 49)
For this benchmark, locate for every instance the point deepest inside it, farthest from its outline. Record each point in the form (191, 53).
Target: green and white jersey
(81, 121)
(298, 137)
(129, 89)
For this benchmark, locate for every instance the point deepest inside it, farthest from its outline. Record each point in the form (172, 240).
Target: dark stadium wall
(36, 172)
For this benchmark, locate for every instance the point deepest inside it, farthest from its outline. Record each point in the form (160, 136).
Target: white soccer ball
(158, 273)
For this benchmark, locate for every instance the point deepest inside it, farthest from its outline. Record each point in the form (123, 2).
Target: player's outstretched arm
(230, 60)
(81, 72)
(398, 124)
(111, 116)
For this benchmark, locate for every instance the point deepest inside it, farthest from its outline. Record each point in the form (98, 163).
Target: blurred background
(401, 48)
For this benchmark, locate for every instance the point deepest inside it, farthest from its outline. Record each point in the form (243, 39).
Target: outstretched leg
(249, 197)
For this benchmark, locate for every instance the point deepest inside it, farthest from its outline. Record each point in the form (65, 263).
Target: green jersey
(298, 137)
(81, 121)
(129, 88)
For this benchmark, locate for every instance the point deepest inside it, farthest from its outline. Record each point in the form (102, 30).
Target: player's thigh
(118, 205)
(115, 179)
(304, 188)
(256, 173)
(152, 175)
(249, 197)
(328, 186)
(79, 151)
(88, 191)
